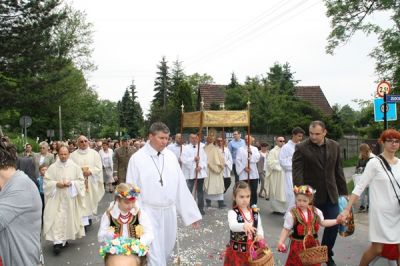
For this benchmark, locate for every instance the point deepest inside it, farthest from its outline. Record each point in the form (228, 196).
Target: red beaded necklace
(125, 217)
(244, 217)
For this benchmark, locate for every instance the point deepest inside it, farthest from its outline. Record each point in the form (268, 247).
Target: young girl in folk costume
(245, 226)
(302, 219)
(124, 218)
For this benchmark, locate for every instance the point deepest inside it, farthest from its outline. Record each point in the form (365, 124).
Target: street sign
(378, 110)
(50, 133)
(392, 98)
(25, 121)
(383, 87)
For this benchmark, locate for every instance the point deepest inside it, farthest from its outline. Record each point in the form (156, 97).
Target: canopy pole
(248, 143)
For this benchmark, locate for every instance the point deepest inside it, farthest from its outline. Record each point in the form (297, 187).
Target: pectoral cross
(161, 182)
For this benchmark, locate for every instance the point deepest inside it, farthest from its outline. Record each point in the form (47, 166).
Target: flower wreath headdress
(304, 190)
(123, 246)
(131, 194)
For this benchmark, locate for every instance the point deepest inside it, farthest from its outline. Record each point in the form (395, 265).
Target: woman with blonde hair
(364, 156)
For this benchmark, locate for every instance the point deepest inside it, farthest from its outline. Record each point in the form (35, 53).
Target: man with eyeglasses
(234, 145)
(276, 178)
(316, 162)
(90, 162)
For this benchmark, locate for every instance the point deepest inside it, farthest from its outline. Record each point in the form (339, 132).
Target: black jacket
(324, 173)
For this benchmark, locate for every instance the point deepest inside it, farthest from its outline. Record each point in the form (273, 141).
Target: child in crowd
(301, 220)
(124, 218)
(123, 251)
(245, 226)
(42, 172)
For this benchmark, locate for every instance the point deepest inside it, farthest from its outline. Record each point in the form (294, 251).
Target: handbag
(387, 168)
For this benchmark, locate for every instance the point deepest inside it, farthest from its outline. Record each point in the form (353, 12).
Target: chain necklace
(158, 170)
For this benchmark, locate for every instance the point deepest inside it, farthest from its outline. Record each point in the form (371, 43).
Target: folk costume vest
(238, 240)
(300, 225)
(132, 222)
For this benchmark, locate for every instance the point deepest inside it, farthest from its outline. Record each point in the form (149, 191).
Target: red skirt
(235, 258)
(296, 246)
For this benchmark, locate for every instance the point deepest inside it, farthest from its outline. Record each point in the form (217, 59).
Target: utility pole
(59, 117)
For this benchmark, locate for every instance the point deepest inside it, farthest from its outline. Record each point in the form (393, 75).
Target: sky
(218, 37)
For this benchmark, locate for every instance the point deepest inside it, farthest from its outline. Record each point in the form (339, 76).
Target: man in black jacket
(316, 162)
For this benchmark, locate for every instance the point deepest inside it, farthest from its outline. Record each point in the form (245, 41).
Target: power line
(259, 29)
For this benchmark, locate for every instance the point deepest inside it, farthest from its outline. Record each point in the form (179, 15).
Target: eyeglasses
(392, 141)
(281, 141)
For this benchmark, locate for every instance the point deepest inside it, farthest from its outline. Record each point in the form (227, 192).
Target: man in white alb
(92, 168)
(285, 159)
(194, 168)
(164, 192)
(245, 157)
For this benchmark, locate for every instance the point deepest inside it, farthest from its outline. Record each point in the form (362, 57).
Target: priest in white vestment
(164, 192)
(244, 156)
(194, 168)
(64, 192)
(214, 182)
(285, 160)
(228, 161)
(90, 162)
(177, 147)
(277, 195)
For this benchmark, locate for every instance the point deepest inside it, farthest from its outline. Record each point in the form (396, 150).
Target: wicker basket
(264, 256)
(314, 255)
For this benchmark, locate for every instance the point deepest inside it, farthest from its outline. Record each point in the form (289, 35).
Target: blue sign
(392, 98)
(391, 114)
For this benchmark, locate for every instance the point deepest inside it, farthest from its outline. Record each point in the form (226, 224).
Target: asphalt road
(206, 245)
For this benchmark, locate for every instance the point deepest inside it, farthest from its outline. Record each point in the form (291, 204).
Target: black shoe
(90, 222)
(362, 209)
(266, 198)
(66, 244)
(57, 249)
(221, 204)
(331, 262)
(208, 203)
(202, 211)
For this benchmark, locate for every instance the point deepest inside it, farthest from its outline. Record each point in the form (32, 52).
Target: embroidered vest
(132, 223)
(238, 240)
(300, 226)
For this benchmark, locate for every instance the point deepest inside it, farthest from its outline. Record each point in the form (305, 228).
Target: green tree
(234, 82)
(280, 79)
(162, 85)
(131, 114)
(349, 17)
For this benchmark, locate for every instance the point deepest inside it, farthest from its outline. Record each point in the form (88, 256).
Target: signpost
(379, 110)
(25, 122)
(382, 90)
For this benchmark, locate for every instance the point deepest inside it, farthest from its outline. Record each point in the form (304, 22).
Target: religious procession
(51, 198)
(199, 133)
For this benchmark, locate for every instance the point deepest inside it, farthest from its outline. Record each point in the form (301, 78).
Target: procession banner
(191, 119)
(217, 119)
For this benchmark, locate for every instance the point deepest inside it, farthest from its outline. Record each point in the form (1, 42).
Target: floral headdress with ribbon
(123, 246)
(130, 194)
(304, 190)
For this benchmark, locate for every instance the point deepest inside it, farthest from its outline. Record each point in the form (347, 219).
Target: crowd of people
(156, 179)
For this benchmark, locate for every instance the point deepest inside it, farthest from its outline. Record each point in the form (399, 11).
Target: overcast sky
(219, 37)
